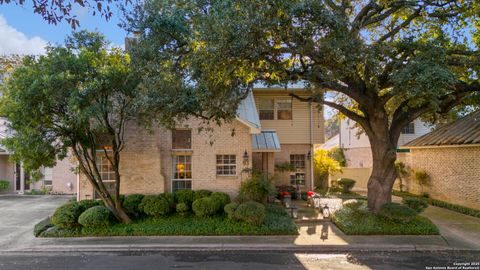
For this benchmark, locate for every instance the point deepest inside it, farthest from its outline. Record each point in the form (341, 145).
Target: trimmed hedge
(397, 212)
(230, 210)
(202, 193)
(182, 208)
(250, 212)
(132, 203)
(185, 196)
(66, 216)
(42, 226)
(221, 199)
(415, 203)
(450, 206)
(205, 207)
(155, 205)
(4, 185)
(346, 184)
(86, 204)
(95, 217)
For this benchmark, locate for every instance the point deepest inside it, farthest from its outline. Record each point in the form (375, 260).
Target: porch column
(22, 180)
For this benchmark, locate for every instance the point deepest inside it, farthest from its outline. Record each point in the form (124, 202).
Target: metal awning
(266, 141)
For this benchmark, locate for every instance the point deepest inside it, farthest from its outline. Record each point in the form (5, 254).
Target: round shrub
(250, 212)
(202, 193)
(4, 185)
(397, 212)
(94, 217)
(230, 209)
(169, 198)
(66, 216)
(131, 203)
(182, 208)
(221, 199)
(86, 204)
(346, 184)
(154, 205)
(185, 196)
(415, 203)
(257, 188)
(205, 207)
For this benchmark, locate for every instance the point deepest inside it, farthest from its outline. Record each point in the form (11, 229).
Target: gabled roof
(247, 113)
(331, 143)
(464, 131)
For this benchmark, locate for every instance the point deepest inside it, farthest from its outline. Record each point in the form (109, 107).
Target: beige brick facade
(455, 173)
(284, 156)
(360, 157)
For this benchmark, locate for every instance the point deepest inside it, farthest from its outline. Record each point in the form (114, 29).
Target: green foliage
(250, 212)
(337, 154)
(4, 185)
(324, 165)
(185, 196)
(155, 205)
(284, 167)
(422, 178)
(221, 199)
(131, 204)
(182, 208)
(275, 223)
(354, 204)
(257, 188)
(402, 171)
(205, 207)
(170, 198)
(66, 216)
(415, 203)
(202, 193)
(42, 226)
(96, 216)
(367, 223)
(230, 210)
(86, 204)
(454, 207)
(346, 184)
(397, 212)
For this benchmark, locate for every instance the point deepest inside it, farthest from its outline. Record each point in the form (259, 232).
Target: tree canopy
(384, 62)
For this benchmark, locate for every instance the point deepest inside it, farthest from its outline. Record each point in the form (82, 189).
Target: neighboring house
(356, 145)
(270, 128)
(331, 143)
(59, 179)
(451, 156)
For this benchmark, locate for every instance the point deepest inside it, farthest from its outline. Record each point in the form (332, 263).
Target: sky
(24, 32)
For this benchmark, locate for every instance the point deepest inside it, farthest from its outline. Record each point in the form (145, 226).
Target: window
(284, 109)
(182, 173)
(107, 173)
(47, 176)
(298, 161)
(266, 109)
(226, 165)
(181, 139)
(297, 179)
(409, 129)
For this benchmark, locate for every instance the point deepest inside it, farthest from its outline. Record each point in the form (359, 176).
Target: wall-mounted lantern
(309, 155)
(246, 158)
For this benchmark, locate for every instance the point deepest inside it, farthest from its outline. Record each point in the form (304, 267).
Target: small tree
(324, 165)
(76, 98)
(403, 171)
(423, 178)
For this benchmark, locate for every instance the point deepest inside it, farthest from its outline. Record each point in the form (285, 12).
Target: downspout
(312, 183)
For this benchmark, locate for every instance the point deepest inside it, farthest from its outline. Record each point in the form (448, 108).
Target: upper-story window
(266, 110)
(284, 109)
(409, 129)
(181, 139)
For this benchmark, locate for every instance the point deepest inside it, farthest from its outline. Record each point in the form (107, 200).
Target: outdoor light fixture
(293, 211)
(245, 158)
(309, 155)
(326, 212)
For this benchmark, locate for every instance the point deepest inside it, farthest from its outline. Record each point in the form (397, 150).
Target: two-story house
(270, 128)
(356, 146)
(58, 179)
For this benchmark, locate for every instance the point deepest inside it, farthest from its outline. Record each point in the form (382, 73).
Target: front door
(18, 179)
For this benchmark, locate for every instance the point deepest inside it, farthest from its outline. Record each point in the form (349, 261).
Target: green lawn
(275, 223)
(367, 223)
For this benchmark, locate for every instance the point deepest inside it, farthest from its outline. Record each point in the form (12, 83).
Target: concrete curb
(223, 247)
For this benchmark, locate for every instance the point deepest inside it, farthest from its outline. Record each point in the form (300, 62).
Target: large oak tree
(384, 63)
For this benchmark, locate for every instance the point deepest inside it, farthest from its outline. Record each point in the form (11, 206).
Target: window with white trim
(182, 172)
(409, 129)
(298, 161)
(226, 165)
(47, 176)
(106, 171)
(266, 109)
(284, 109)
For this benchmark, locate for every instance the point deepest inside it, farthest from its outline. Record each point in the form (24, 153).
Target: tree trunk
(383, 175)
(117, 210)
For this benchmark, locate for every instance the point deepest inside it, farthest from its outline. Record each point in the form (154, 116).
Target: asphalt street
(231, 260)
